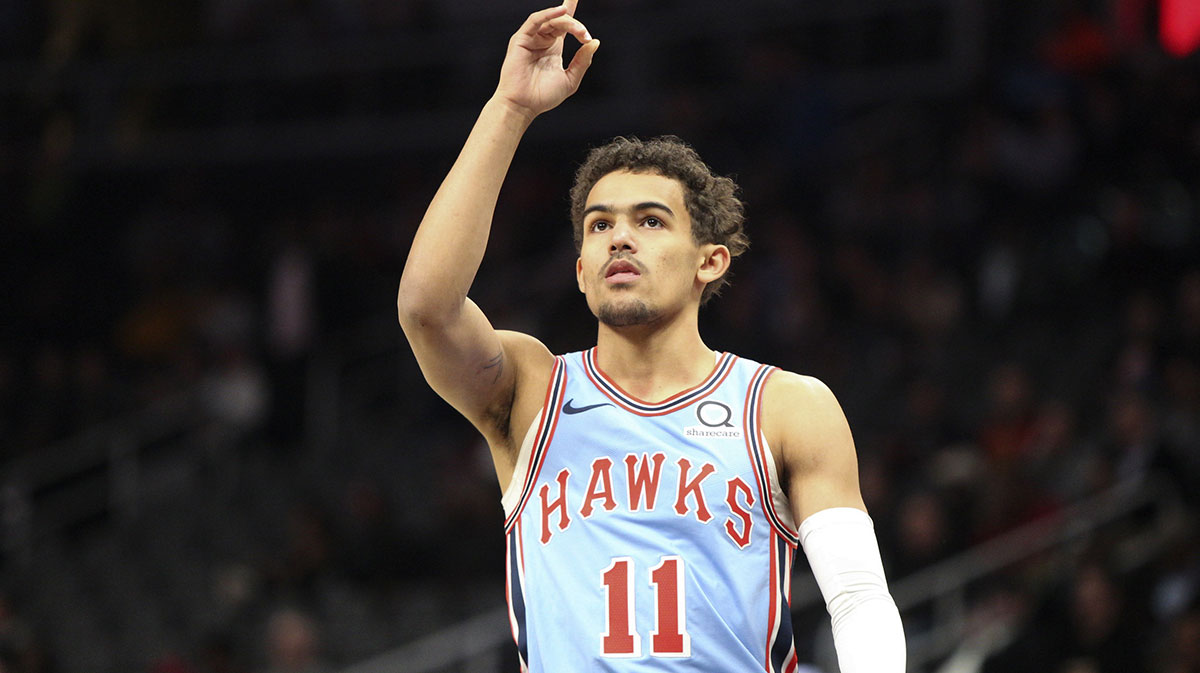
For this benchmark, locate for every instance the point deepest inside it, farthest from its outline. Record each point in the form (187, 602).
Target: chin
(626, 313)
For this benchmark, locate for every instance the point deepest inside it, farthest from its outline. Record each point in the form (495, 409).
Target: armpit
(498, 415)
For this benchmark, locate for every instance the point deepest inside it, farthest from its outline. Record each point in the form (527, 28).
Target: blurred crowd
(60, 31)
(1002, 286)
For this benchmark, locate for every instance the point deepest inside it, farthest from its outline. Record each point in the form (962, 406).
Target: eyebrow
(645, 205)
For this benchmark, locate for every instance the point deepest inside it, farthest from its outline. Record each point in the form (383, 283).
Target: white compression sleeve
(844, 555)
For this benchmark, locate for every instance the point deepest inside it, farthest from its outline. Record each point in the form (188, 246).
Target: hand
(533, 78)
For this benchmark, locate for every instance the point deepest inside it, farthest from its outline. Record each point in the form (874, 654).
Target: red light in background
(1179, 26)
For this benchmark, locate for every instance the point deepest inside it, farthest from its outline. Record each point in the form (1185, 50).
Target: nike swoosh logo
(568, 409)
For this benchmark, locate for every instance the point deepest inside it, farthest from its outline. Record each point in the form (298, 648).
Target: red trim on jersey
(790, 551)
(521, 552)
(630, 403)
(790, 536)
(781, 588)
(773, 610)
(756, 442)
(514, 589)
(550, 413)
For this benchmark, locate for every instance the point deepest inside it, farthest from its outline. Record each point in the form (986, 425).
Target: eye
(598, 225)
(653, 222)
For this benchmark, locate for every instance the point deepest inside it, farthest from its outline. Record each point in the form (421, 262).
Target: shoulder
(795, 395)
(798, 388)
(801, 415)
(812, 444)
(525, 350)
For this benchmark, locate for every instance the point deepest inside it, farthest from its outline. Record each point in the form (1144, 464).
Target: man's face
(638, 261)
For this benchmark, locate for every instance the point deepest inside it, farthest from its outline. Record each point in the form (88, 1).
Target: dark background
(975, 220)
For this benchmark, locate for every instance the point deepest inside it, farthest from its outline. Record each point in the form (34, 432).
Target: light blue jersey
(649, 537)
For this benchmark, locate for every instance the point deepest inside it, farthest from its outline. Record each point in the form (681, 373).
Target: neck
(653, 362)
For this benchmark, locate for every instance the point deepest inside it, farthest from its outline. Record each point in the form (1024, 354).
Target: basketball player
(655, 490)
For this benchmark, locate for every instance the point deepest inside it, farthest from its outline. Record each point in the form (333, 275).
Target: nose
(622, 239)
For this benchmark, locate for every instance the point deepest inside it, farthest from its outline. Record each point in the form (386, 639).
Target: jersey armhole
(512, 495)
(778, 507)
(779, 499)
(534, 446)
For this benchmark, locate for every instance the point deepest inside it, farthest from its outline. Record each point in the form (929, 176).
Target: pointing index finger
(570, 6)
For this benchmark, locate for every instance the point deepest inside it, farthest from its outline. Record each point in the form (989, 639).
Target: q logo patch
(714, 414)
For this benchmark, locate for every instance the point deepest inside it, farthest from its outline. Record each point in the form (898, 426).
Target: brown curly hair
(716, 211)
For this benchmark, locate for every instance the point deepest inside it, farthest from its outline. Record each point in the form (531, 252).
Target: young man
(652, 486)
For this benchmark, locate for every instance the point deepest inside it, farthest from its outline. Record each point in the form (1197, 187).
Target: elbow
(411, 307)
(420, 309)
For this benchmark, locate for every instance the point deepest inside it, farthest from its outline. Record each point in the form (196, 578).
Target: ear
(579, 273)
(714, 262)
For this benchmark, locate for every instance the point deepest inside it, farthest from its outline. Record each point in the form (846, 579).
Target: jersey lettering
(601, 471)
(692, 487)
(559, 503)
(669, 637)
(740, 538)
(619, 638)
(644, 477)
(644, 482)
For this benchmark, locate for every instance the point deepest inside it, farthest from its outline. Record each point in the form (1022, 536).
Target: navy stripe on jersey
(754, 444)
(516, 595)
(554, 395)
(630, 403)
(783, 646)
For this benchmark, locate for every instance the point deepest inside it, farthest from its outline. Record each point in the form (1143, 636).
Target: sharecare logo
(715, 422)
(696, 431)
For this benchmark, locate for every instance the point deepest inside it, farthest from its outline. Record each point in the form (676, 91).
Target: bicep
(818, 459)
(469, 364)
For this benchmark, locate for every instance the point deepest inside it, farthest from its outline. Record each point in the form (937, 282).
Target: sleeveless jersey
(649, 537)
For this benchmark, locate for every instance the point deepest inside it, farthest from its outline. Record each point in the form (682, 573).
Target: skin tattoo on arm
(496, 363)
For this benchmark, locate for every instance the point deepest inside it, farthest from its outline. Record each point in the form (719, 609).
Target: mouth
(621, 271)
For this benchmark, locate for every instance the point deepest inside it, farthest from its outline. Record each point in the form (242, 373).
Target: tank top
(649, 536)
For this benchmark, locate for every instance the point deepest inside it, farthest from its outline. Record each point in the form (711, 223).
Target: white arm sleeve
(844, 555)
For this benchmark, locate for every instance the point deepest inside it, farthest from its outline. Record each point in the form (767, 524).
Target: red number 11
(669, 637)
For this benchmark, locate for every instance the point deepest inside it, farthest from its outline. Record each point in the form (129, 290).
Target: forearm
(453, 235)
(450, 242)
(844, 554)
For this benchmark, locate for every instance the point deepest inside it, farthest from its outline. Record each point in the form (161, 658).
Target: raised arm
(819, 471)
(464, 359)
